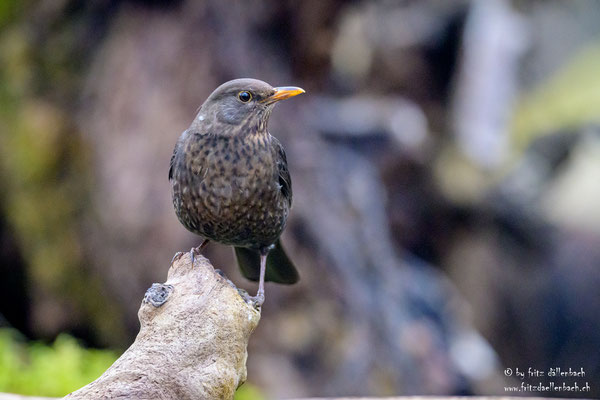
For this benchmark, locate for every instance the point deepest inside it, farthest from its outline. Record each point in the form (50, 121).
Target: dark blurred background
(445, 163)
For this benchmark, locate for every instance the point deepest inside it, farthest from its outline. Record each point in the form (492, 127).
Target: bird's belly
(240, 210)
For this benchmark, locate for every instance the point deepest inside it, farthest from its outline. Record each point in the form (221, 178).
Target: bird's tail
(279, 267)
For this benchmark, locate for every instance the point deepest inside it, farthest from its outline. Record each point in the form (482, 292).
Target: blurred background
(446, 172)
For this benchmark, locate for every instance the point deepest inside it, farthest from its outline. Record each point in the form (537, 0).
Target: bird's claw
(176, 257)
(193, 252)
(258, 300)
(197, 250)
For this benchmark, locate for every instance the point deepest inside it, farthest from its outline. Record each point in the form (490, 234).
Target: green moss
(48, 370)
(248, 392)
(61, 367)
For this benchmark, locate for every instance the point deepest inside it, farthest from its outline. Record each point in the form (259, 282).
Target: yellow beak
(284, 92)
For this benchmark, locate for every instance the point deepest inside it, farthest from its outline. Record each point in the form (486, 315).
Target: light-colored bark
(192, 342)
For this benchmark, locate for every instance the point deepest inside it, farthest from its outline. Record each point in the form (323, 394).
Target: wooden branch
(192, 342)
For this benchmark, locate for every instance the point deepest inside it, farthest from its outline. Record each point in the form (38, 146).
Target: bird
(230, 179)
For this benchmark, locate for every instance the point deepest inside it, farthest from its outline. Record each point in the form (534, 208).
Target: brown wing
(193, 164)
(173, 161)
(283, 174)
(176, 156)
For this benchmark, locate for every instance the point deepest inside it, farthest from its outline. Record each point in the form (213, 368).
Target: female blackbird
(231, 182)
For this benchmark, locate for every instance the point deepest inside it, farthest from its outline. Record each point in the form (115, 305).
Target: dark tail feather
(279, 267)
(249, 262)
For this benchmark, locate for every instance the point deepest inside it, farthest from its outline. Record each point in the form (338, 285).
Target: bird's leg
(259, 299)
(203, 245)
(198, 250)
(260, 295)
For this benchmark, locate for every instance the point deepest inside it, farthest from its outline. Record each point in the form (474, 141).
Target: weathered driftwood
(192, 342)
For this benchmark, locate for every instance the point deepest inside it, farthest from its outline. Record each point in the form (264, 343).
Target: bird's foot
(258, 300)
(255, 301)
(195, 251)
(176, 257)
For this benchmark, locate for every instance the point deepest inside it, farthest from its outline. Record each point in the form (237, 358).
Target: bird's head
(242, 102)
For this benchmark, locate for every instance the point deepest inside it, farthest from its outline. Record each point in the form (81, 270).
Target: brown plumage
(230, 178)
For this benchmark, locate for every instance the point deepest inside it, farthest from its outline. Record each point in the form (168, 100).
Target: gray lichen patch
(157, 294)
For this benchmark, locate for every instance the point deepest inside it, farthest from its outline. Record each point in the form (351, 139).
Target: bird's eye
(244, 96)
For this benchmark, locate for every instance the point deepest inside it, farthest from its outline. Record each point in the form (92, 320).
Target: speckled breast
(226, 189)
